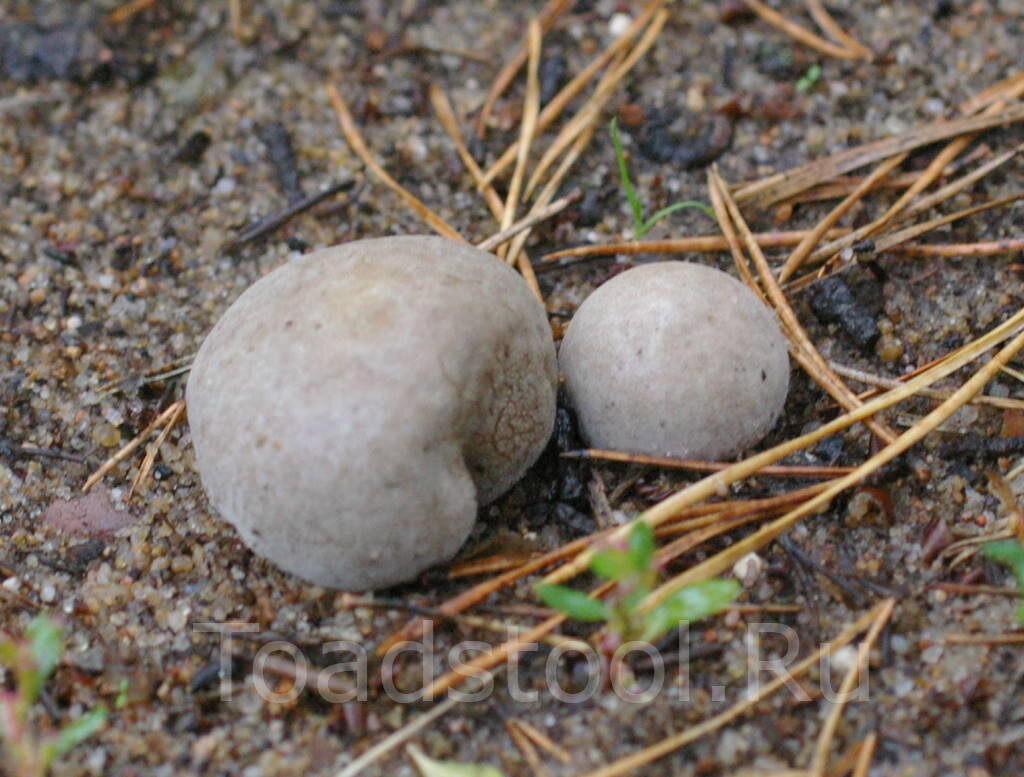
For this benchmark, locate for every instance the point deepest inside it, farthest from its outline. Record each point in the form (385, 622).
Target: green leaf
(641, 546)
(1011, 554)
(122, 694)
(610, 564)
(8, 653)
(690, 604)
(808, 79)
(647, 225)
(627, 185)
(430, 767)
(45, 644)
(74, 733)
(573, 603)
(47, 641)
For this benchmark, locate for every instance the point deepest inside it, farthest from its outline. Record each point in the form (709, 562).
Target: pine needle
(808, 38)
(358, 145)
(674, 742)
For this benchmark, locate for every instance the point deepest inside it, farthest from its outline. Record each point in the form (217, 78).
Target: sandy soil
(126, 164)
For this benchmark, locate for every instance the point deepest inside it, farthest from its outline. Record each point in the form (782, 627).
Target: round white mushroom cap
(675, 358)
(352, 409)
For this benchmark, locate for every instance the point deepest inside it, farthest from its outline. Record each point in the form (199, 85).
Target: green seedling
(1010, 553)
(635, 573)
(430, 767)
(808, 79)
(28, 750)
(642, 226)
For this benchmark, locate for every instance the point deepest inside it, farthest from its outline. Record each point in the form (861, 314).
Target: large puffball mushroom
(352, 409)
(674, 358)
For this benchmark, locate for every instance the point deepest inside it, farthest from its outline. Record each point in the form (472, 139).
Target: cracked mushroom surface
(353, 408)
(675, 358)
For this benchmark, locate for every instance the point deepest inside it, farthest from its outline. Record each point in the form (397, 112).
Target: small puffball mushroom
(352, 409)
(674, 358)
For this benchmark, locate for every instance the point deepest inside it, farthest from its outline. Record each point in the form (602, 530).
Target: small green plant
(634, 571)
(641, 225)
(430, 767)
(808, 79)
(1011, 554)
(27, 751)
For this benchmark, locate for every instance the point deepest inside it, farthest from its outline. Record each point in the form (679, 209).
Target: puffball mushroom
(352, 409)
(675, 358)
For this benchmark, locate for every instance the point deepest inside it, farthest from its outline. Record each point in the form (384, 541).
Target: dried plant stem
(580, 144)
(719, 482)
(530, 220)
(985, 639)
(808, 38)
(676, 741)
(479, 592)
(722, 561)
(828, 731)
(926, 178)
(543, 741)
(395, 739)
(829, 26)
(883, 382)
(235, 19)
(507, 74)
(445, 114)
(777, 187)
(1007, 89)
(555, 640)
(840, 186)
(896, 209)
(960, 184)
(866, 754)
(525, 746)
(358, 145)
(803, 250)
(126, 451)
(988, 248)
(527, 128)
(554, 109)
(495, 656)
(128, 10)
(590, 112)
(154, 449)
(692, 465)
(712, 512)
(803, 348)
(485, 566)
(905, 235)
(693, 518)
(700, 243)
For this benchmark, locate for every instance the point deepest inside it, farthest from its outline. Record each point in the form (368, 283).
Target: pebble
(619, 23)
(675, 358)
(352, 409)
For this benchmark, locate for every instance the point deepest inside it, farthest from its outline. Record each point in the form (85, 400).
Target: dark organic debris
(935, 539)
(698, 144)
(194, 147)
(554, 72)
(982, 447)
(281, 152)
(67, 52)
(778, 60)
(833, 302)
(276, 220)
(11, 450)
